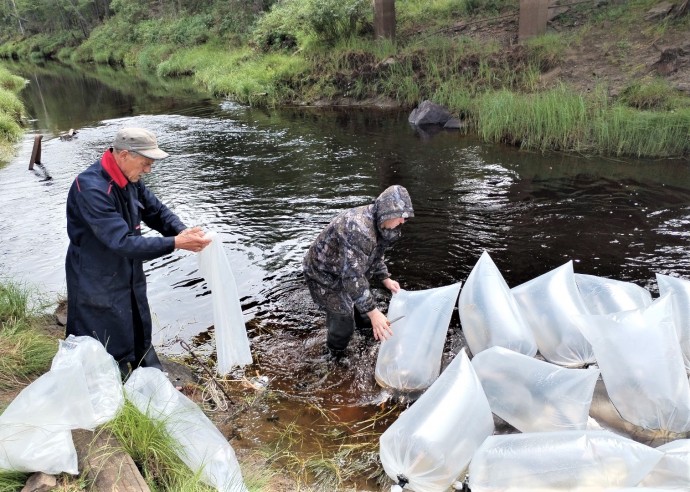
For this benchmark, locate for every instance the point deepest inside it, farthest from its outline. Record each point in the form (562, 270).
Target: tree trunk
(19, 20)
(384, 19)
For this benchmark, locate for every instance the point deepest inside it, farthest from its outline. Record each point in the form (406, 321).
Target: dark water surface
(269, 180)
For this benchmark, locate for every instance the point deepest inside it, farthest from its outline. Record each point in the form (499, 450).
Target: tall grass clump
(556, 119)
(24, 352)
(652, 94)
(560, 119)
(625, 131)
(154, 451)
(156, 454)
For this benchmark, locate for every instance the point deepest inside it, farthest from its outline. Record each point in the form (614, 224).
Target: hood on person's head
(393, 203)
(139, 140)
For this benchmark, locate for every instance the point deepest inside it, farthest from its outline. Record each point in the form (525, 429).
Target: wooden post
(36, 152)
(384, 19)
(533, 17)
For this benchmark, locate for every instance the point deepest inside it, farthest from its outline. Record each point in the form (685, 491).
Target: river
(268, 180)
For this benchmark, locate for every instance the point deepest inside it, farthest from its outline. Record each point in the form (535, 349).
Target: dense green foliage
(270, 52)
(11, 111)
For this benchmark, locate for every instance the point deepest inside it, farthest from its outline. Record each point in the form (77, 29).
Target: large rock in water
(429, 113)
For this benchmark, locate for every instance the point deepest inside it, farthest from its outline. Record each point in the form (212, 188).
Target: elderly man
(346, 256)
(106, 285)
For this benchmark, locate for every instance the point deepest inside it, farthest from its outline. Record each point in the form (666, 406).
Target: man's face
(392, 223)
(134, 165)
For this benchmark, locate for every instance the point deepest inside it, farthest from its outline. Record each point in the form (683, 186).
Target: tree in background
(384, 19)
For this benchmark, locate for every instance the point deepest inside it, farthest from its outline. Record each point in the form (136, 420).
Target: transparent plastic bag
(202, 447)
(232, 344)
(35, 429)
(102, 376)
(82, 390)
(533, 395)
(549, 303)
(567, 460)
(642, 365)
(680, 288)
(432, 442)
(489, 314)
(673, 470)
(604, 295)
(411, 359)
(27, 448)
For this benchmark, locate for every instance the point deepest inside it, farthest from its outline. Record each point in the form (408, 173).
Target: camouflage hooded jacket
(348, 253)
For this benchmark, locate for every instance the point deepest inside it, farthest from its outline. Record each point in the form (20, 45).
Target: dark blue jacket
(106, 285)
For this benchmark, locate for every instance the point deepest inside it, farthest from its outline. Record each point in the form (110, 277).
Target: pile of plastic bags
(542, 351)
(83, 390)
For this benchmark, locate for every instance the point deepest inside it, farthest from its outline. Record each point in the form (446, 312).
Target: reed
(552, 120)
(560, 119)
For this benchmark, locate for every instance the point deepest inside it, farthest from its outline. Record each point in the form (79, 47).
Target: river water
(269, 179)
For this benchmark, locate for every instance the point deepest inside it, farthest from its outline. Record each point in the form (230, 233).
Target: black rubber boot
(150, 359)
(340, 329)
(124, 369)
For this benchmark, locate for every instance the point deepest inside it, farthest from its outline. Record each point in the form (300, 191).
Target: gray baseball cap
(139, 140)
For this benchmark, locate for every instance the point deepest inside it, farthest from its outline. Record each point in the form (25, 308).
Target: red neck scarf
(110, 166)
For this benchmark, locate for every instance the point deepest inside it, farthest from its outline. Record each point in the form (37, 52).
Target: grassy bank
(458, 53)
(11, 111)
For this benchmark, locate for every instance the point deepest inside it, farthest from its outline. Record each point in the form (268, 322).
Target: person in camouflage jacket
(346, 256)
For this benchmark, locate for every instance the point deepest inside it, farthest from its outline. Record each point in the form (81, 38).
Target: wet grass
(332, 455)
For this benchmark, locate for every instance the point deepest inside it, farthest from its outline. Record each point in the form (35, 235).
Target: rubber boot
(124, 369)
(150, 359)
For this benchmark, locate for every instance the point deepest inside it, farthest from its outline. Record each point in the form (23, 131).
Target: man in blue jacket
(106, 285)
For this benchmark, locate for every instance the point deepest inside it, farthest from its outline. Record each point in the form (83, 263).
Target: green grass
(156, 455)
(24, 352)
(563, 120)
(11, 111)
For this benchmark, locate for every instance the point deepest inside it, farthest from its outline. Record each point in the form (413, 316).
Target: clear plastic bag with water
(410, 360)
(201, 445)
(605, 296)
(232, 343)
(82, 390)
(642, 365)
(489, 314)
(35, 429)
(568, 460)
(533, 395)
(549, 303)
(101, 372)
(673, 470)
(680, 288)
(432, 442)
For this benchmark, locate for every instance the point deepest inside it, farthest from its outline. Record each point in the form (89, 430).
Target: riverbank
(607, 78)
(11, 111)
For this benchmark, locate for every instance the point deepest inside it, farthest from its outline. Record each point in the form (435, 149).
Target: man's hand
(391, 285)
(380, 325)
(191, 239)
